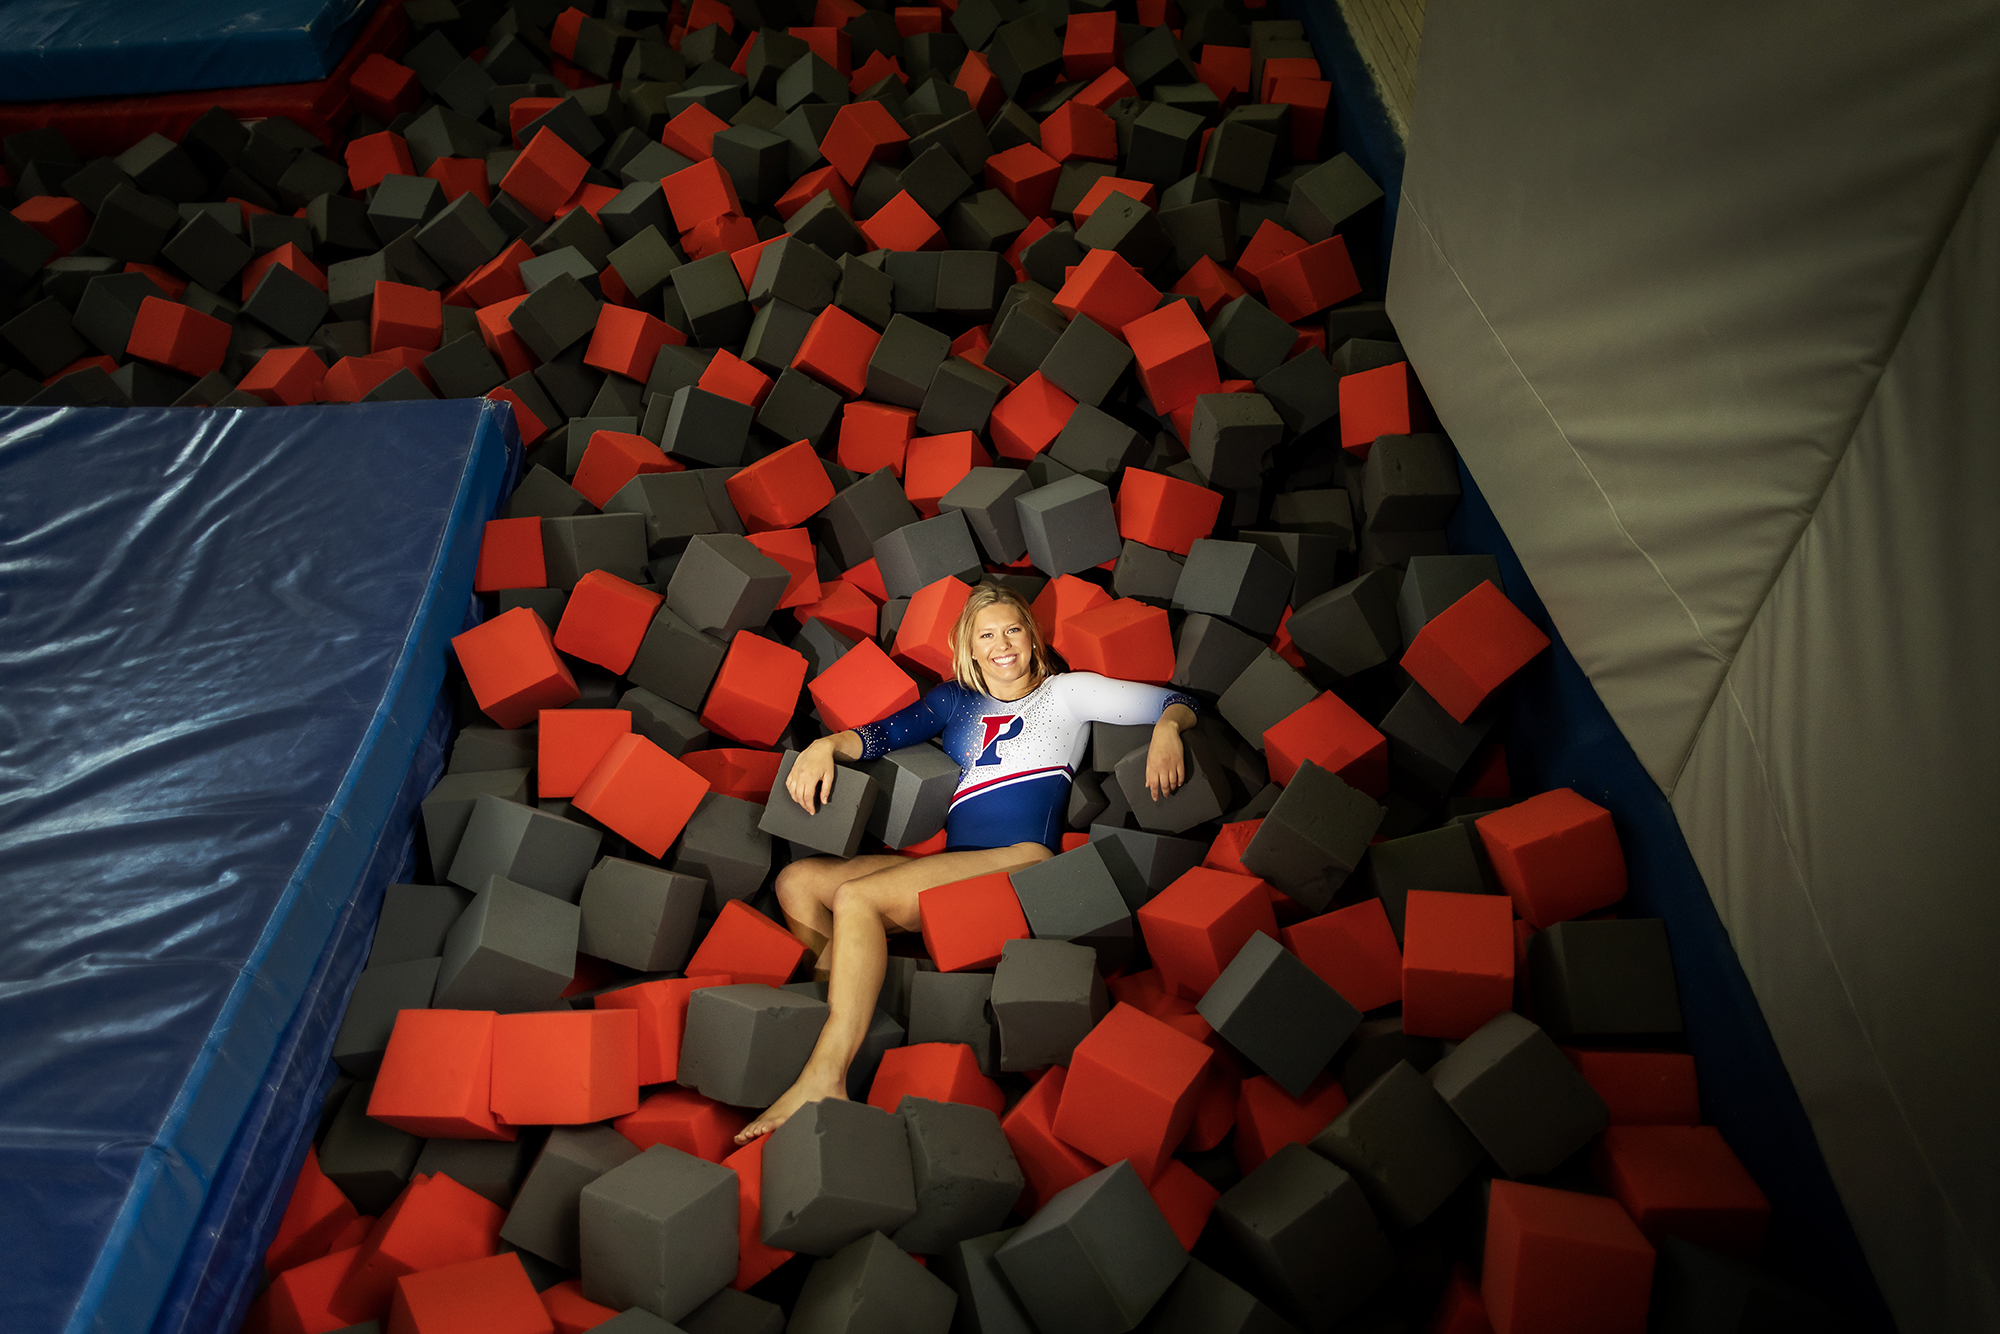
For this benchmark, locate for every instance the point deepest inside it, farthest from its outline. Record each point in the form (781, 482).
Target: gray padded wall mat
(1709, 297)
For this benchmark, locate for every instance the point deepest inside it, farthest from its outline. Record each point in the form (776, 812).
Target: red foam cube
(1049, 1163)
(498, 334)
(976, 79)
(569, 743)
(1145, 990)
(1557, 1262)
(458, 176)
(1185, 1200)
(1111, 292)
(746, 775)
(511, 664)
(1074, 132)
(1377, 402)
(1090, 45)
(1176, 362)
(863, 687)
(1131, 1090)
(613, 458)
(662, 1010)
(1642, 1088)
(604, 620)
(692, 132)
(626, 341)
(968, 922)
(489, 1296)
(902, 224)
(300, 1300)
(434, 1222)
(1333, 736)
(1107, 186)
(1684, 1181)
(1353, 950)
(701, 194)
(1215, 1101)
(1060, 602)
(934, 464)
(1165, 512)
(59, 218)
(793, 549)
(642, 793)
(179, 338)
(937, 1071)
(373, 157)
(532, 428)
(1026, 175)
(1126, 639)
(498, 279)
(1458, 962)
(1209, 284)
(1556, 854)
(729, 376)
(383, 88)
(861, 133)
(314, 1216)
(1196, 925)
(545, 174)
(1270, 244)
(285, 377)
(1108, 87)
(782, 489)
(924, 637)
(405, 316)
(835, 351)
(872, 435)
(844, 606)
(1307, 281)
(1461, 1310)
(1030, 417)
(1226, 852)
(683, 1119)
(437, 1074)
(1472, 648)
(755, 690)
(570, 1311)
(1309, 100)
(754, 1259)
(1268, 1118)
(748, 946)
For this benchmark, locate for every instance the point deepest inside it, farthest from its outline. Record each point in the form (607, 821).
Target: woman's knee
(1031, 853)
(802, 884)
(872, 894)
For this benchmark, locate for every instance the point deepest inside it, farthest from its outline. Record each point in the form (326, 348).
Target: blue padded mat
(225, 636)
(56, 49)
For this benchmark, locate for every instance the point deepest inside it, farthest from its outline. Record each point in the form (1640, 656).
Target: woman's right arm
(811, 780)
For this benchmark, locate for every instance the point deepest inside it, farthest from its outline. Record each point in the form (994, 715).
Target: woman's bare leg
(805, 891)
(864, 910)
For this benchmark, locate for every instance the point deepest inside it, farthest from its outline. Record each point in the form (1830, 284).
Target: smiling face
(1003, 647)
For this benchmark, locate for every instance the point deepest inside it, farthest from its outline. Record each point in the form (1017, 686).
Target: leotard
(1016, 758)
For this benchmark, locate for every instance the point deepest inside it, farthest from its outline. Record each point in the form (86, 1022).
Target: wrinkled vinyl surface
(53, 49)
(224, 637)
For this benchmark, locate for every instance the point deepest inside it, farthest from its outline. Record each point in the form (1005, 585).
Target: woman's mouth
(1004, 659)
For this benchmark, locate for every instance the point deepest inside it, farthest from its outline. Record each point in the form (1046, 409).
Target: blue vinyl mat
(58, 49)
(225, 637)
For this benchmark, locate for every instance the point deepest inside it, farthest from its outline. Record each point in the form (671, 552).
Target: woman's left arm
(1166, 758)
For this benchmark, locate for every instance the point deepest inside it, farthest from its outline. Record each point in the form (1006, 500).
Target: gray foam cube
(379, 995)
(1597, 980)
(1327, 196)
(1112, 742)
(921, 553)
(659, 1232)
(723, 845)
(1428, 748)
(1210, 654)
(513, 949)
(834, 1172)
(955, 1007)
(1432, 583)
(1353, 627)
(1069, 525)
(1447, 859)
(963, 1172)
(986, 1304)
(724, 584)
(1409, 483)
(914, 793)
(491, 1168)
(638, 915)
(663, 722)
(1404, 1145)
(369, 1160)
(1278, 1013)
(1095, 1257)
(1304, 1228)
(1143, 863)
(1314, 837)
(746, 1044)
(1202, 797)
(860, 513)
(482, 747)
(638, 1320)
(676, 661)
(673, 504)
(1047, 996)
(836, 827)
(414, 922)
(727, 1312)
(1236, 580)
(1376, 1046)
(869, 1285)
(1231, 437)
(573, 547)
(1073, 896)
(885, 1032)
(1315, 560)
(1519, 1095)
(986, 496)
(448, 807)
(1202, 1301)
(1146, 573)
(1264, 694)
(543, 1218)
(525, 845)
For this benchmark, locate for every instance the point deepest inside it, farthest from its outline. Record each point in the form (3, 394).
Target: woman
(1018, 729)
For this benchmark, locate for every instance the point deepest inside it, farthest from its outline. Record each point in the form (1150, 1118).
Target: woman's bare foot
(813, 1086)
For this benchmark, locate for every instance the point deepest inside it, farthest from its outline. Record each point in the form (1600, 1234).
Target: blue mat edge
(142, 1255)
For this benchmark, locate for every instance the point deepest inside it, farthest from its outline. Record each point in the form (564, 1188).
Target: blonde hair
(965, 667)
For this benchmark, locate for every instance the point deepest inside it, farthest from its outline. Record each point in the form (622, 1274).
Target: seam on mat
(1803, 886)
(1722, 660)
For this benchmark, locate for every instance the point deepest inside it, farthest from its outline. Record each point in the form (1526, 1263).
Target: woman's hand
(1166, 761)
(811, 780)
